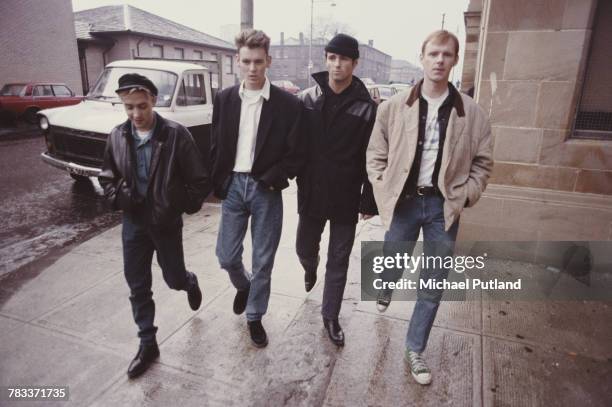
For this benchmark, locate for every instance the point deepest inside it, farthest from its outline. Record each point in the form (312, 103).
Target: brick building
(541, 70)
(111, 33)
(38, 42)
(290, 60)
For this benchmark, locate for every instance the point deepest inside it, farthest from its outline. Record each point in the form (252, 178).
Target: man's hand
(365, 216)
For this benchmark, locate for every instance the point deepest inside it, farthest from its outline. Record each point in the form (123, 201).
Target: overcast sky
(397, 27)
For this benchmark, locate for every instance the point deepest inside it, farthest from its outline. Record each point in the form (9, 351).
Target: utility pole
(246, 14)
(443, 15)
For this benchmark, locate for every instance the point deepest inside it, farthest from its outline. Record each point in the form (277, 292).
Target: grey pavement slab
(163, 386)
(372, 372)
(103, 314)
(7, 325)
(32, 356)
(571, 326)
(515, 374)
(67, 278)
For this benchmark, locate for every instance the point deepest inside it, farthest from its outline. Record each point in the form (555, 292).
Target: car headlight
(43, 123)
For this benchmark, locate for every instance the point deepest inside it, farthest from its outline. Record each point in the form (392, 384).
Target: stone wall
(530, 79)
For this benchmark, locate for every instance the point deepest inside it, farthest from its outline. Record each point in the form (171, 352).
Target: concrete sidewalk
(71, 324)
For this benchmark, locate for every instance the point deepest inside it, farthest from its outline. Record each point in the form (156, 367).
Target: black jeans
(341, 238)
(139, 243)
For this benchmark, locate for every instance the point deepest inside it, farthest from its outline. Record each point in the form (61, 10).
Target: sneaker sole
(420, 381)
(260, 345)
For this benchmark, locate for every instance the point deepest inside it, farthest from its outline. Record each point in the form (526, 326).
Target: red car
(26, 99)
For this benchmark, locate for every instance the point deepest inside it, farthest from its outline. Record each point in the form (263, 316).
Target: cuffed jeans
(410, 216)
(139, 242)
(341, 238)
(248, 198)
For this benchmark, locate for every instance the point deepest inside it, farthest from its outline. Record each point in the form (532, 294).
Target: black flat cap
(343, 44)
(134, 80)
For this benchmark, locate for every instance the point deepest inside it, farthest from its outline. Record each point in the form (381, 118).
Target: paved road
(42, 210)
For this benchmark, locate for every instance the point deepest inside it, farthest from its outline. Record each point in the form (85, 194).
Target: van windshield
(104, 89)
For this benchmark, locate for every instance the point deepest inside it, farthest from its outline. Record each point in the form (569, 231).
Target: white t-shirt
(432, 140)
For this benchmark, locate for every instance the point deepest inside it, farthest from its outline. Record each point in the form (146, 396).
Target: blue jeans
(139, 242)
(410, 216)
(247, 198)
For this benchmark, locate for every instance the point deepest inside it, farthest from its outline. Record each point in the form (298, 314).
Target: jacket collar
(158, 131)
(415, 94)
(359, 90)
(265, 91)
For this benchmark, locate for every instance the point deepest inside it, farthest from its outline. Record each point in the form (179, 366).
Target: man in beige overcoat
(429, 156)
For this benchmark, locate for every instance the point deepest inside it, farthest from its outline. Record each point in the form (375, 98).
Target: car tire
(30, 115)
(79, 178)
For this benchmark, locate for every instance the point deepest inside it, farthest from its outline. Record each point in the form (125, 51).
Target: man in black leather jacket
(333, 185)
(153, 172)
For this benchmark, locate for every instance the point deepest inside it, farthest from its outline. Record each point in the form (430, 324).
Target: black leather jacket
(178, 179)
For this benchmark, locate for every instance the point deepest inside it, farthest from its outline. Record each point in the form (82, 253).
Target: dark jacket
(178, 179)
(279, 150)
(334, 183)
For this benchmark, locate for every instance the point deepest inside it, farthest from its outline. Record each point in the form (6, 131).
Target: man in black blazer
(256, 147)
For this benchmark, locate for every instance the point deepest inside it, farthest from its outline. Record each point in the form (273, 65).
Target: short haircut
(441, 37)
(251, 38)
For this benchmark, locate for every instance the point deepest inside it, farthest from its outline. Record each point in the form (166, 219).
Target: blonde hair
(440, 37)
(251, 38)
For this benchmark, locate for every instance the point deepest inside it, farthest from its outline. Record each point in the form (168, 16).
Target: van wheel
(30, 115)
(79, 178)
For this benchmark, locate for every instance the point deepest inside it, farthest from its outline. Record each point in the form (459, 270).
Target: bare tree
(325, 28)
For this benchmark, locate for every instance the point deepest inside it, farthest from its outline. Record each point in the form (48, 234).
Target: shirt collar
(264, 92)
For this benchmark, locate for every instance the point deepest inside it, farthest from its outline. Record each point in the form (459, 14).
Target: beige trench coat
(466, 156)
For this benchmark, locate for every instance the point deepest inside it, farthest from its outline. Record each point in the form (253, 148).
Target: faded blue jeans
(410, 216)
(247, 198)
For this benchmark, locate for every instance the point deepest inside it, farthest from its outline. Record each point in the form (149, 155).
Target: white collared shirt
(250, 112)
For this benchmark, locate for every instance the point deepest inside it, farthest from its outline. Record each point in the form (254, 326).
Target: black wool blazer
(280, 151)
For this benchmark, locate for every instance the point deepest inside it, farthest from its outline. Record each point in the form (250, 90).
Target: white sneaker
(418, 367)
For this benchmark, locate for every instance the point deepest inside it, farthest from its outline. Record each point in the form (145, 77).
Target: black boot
(258, 334)
(147, 353)
(240, 300)
(194, 295)
(334, 330)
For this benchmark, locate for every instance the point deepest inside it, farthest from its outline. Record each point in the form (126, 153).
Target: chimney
(371, 43)
(282, 39)
(301, 38)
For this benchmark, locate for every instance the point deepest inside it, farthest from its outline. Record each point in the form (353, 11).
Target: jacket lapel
(265, 122)
(235, 106)
(454, 130)
(410, 131)
(159, 138)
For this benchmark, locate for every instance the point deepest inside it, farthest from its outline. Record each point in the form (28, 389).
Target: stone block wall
(530, 75)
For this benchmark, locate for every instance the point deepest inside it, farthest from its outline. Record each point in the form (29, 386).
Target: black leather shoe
(240, 300)
(144, 358)
(194, 295)
(310, 279)
(258, 334)
(334, 330)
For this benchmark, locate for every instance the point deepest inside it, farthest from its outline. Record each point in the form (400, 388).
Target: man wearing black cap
(153, 172)
(333, 186)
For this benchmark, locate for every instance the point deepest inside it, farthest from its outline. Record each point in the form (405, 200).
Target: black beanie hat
(344, 45)
(134, 80)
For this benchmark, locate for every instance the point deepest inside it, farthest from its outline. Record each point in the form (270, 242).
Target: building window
(197, 54)
(157, 51)
(594, 116)
(179, 53)
(228, 65)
